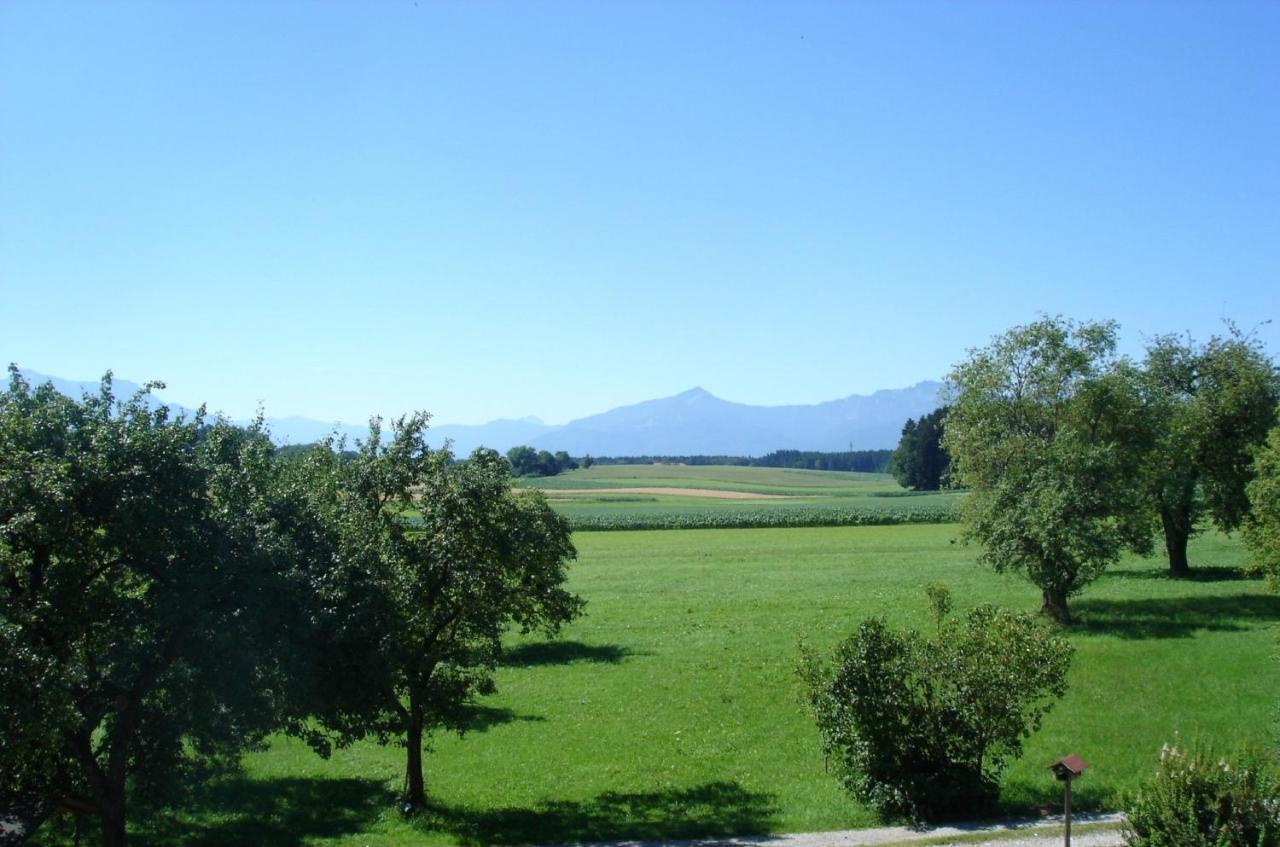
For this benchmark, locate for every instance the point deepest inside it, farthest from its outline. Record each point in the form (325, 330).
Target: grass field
(671, 710)
(597, 498)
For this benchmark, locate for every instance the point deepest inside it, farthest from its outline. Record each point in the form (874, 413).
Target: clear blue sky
(500, 209)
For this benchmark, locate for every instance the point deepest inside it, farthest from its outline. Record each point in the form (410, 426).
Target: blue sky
(499, 209)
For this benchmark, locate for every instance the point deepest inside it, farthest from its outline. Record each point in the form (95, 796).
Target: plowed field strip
(680, 492)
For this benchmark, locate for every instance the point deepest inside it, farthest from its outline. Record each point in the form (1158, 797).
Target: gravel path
(1041, 832)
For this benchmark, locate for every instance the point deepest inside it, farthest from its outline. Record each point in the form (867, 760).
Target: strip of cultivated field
(559, 494)
(630, 497)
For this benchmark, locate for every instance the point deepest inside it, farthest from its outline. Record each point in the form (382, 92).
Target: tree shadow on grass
(286, 812)
(1208, 573)
(564, 653)
(713, 808)
(1173, 617)
(483, 718)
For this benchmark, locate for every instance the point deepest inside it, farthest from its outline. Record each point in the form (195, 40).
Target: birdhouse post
(1066, 770)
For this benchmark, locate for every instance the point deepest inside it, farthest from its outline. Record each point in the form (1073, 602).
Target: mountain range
(694, 422)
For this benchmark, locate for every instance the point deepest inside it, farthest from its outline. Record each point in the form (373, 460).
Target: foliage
(145, 598)
(924, 727)
(920, 462)
(1194, 800)
(525, 461)
(1046, 431)
(441, 558)
(1208, 407)
(1262, 527)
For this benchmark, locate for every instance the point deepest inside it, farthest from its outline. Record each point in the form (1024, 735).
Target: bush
(923, 727)
(1195, 801)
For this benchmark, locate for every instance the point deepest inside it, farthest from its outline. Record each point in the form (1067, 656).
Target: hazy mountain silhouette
(690, 423)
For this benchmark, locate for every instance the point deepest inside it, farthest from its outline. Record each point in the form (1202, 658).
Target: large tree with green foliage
(1045, 430)
(1209, 407)
(920, 462)
(442, 558)
(1262, 526)
(145, 588)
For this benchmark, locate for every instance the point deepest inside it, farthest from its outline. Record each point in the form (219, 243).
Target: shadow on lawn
(713, 808)
(564, 653)
(1208, 573)
(286, 812)
(482, 718)
(1173, 617)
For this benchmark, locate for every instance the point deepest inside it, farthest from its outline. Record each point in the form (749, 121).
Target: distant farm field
(611, 497)
(671, 708)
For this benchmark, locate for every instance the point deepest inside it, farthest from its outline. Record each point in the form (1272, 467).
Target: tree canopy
(138, 557)
(1045, 430)
(1262, 527)
(920, 462)
(1209, 407)
(525, 461)
(443, 558)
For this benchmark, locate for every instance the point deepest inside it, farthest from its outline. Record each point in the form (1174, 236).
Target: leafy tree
(524, 461)
(924, 726)
(145, 592)
(1045, 430)
(441, 559)
(920, 462)
(1262, 526)
(1209, 407)
(547, 465)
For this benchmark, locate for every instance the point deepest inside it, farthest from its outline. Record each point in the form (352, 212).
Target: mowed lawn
(671, 709)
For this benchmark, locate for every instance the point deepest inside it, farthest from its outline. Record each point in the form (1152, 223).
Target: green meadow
(671, 708)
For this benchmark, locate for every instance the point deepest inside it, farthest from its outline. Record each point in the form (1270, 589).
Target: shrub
(1194, 800)
(923, 727)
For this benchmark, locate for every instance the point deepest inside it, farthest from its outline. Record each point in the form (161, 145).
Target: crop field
(612, 497)
(671, 708)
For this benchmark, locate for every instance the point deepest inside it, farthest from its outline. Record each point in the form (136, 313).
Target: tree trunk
(112, 815)
(1055, 605)
(415, 791)
(1176, 534)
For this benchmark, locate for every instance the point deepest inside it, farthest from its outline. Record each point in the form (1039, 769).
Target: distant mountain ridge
(697, 422)
(694, 422)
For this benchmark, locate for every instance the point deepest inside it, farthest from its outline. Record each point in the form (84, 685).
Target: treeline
(863, 461)
(525, 461)
(921, 462)
(172, 593)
